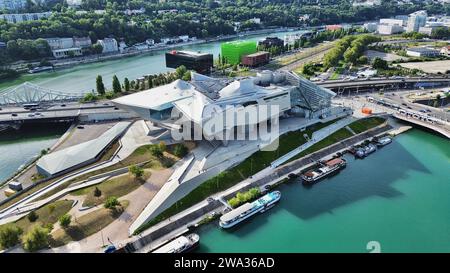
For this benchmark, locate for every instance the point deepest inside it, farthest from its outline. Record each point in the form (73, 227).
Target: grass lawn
(118, 186)
(366, 124)
(47, 216)
(245, 169)
(86, 225)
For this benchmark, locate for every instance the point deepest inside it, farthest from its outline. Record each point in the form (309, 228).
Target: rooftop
(64, 159)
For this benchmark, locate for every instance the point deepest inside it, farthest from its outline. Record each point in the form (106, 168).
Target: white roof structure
(85, 152)
(158, 98)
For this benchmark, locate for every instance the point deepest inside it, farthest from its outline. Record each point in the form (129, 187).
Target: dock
(399, 130)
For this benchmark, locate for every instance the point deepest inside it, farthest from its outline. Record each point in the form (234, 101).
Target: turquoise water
(81, 78)
(398, 196)
(19, 147)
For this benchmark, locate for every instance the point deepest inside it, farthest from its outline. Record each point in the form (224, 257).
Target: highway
(333, 84)
(63, 111)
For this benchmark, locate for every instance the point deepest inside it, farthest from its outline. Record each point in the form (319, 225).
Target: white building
(67, 52)
(391, 22)
(23, 17)
(60, 43)
(371, 27)
(109, 45)
(366, 3)
(206, 100)
(390, 29)
(422, 52)
(82, 42)
(12, 4)
(416, 20)
(255, 20)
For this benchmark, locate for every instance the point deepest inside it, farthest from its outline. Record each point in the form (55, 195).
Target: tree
(180, 150)
(10, 236)
(136, 171)
(379, 63)
(162, 146)
(156, 151)
(180, 71)
(37, 238)
(65, 220)
(97, 48)
(126, 84)
(116, 85)
(32, 216)
(187, 76)
(112, 202)
(100, 85)
(97, 192)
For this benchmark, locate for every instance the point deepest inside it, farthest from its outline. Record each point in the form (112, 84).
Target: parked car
(14, 114)
(110, 249)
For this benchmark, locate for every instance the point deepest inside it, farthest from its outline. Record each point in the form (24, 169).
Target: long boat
(323, 170)
(181, 244)
(247, 210)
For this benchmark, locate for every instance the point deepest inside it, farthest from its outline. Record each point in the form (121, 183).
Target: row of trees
(196, 18)
(350, 49)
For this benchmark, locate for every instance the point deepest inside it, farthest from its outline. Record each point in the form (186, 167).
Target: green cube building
(233, 51)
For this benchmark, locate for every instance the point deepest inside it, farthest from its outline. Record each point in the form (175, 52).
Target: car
(105, 104)
(63, 105)
(210, 199)
(1, 109)
(404, 104)
(80, 127)
(14, 114)
(428, 110)
(409, 107)
(110, 249)
(116, 108)
(422, 111)
(31, 115)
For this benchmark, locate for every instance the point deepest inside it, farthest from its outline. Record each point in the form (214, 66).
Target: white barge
(247, 210)
(181, 244)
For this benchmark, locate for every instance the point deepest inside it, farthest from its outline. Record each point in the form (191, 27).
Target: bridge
(440, 126)
(28, 93)
(365, 85)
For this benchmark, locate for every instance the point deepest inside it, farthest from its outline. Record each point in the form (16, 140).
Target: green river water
(398, 196)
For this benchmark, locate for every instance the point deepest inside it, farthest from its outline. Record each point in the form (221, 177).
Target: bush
(112, 202)
(244, 197)
(136, 171)
(65, 220)
(180, 150)
(32, 216)
(36, 239)
(10, 236)
(97, 192)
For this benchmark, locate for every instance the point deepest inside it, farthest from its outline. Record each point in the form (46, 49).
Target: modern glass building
(233, 51)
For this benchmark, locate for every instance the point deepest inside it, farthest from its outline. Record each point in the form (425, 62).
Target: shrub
(136, 171)
(32, 216)
(112, 202)
(36, 239)
(10, 236)
(242, 197)
(180, 150)
(65, 220)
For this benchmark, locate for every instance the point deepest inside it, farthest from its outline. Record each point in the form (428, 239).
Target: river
(20, 147)
(81, 78)
(398, 197)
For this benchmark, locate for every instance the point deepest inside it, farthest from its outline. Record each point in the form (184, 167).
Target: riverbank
(178, 223)
(397, 197)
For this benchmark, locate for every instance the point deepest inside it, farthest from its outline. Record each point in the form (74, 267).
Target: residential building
(109, 45)
(12, 4)
(371, 27)
(422, 52)
(271, 42)
(150, 42)
(82, 42)
(60, 43)
(255, 21)
(390, 29)
(366, 3)
(391, 22)
(67, 52)
(416, 20)
(256, 59)
(199, 62)
(23, 17)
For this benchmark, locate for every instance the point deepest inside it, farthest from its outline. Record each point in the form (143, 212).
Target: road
(381, 81)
